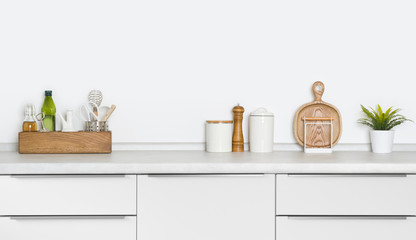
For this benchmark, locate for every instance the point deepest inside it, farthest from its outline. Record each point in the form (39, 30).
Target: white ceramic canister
(219, 136)
(261, 131)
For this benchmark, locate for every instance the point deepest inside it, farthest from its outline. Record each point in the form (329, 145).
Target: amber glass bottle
(29, 124)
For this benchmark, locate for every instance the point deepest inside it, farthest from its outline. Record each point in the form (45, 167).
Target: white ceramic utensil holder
(261, 131)
(219, 136)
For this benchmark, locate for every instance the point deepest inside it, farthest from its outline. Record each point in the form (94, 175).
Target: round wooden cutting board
(318, 135)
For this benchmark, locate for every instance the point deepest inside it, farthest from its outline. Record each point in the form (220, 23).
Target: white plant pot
(382, 141)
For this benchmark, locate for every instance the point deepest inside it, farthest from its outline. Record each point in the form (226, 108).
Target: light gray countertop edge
(193, 162)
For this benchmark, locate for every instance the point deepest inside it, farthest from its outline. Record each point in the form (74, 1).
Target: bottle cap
(48, 93)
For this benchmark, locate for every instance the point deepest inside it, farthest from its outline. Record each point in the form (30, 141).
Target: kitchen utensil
(219, 136)
(96, 126)
(261, 129)
(96, 97)
(238, 139)
(87, 112)
(67, 125)
(109, 112)
(40, 116)
(317, 111)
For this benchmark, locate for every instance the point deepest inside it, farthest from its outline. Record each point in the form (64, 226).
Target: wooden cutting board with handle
(318, 135)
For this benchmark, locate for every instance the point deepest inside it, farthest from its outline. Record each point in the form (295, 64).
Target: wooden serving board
(65, 142)
(318, 135)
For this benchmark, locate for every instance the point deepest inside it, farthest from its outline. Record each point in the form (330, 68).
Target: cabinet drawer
(345, 194)
(345, 228)
(68, 195)
(206, 207)
(66, 228)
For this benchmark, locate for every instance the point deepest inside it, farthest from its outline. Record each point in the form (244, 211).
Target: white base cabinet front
(206, 207)
(345, 194)
(68, 195)
(68, 228)
(345, 228)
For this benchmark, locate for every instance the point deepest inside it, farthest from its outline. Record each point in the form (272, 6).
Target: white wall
(169, 65)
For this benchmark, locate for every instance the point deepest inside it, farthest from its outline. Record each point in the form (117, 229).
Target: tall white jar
(219, 136)
(261, 130)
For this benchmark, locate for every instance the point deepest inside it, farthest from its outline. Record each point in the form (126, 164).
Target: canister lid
(219, 121)
(261, 112)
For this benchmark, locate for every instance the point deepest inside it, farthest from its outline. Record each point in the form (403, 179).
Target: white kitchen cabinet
(68, 195)
(346, 228)
(68, 228)
(344, 194)
(206, 207)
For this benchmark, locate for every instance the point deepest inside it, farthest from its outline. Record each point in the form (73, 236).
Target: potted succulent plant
(382, 124)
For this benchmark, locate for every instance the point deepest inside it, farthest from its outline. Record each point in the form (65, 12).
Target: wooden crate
(65, 142)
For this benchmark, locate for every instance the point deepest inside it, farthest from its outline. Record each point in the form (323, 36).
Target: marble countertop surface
(190, 162)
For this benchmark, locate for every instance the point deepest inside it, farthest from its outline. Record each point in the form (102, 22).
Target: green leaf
(379, 120)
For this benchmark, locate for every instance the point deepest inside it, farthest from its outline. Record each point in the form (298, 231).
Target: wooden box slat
(65, 142)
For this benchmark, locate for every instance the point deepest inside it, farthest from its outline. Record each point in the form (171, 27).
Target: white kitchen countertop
(144, 162)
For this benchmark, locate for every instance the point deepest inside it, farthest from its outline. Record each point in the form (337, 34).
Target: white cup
(219, 136)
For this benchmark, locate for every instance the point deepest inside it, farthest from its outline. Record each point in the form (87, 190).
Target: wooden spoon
(109, 112)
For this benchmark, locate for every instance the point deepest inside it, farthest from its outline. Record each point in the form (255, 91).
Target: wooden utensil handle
(318, 89)
(108, 114)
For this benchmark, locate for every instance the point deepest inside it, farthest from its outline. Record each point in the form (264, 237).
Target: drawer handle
(347, 175)
(67, 176)
(348, 217)
(202, 175)
(64, 217)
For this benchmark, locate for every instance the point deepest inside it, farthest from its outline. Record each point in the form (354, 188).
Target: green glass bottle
(49, 110)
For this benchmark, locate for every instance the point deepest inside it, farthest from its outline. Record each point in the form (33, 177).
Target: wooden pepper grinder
(238, 140)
